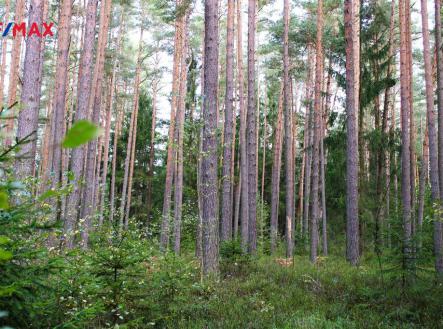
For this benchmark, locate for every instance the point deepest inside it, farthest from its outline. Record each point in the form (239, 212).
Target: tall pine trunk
(244, 215)
(352, 21)
(405, 136)
(59, 98)
(30, 97)
(3, 59)
(152, 149)
(113, 86)
(117, 129)
(180, 131)
(438, 226)
(125, 205)
(252, 130)
(209, 143)
(88, 204)
(83, 95)
(226, 224)
(289, 166)
(422, 186)
(317, 137)
(170, 160)
(276, 170)
(14, 69)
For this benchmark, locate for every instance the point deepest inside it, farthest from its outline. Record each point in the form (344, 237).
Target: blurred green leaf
(4, 200)
(48, 194)
(5, 255)
(80, 133)
(4, 240)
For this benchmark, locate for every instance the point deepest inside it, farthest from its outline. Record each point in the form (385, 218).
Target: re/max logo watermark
(29, 30)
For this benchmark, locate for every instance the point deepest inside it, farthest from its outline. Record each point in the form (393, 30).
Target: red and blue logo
(27, 30)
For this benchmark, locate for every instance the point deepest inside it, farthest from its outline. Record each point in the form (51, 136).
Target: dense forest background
(221, 164)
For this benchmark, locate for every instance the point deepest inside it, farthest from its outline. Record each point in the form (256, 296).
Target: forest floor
(127, 283)
(272, 293)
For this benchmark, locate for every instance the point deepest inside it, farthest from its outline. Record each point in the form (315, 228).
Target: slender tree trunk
(45, 153)
(263, 171)
(438, 226)
(152, 149)
(30, 98)
(307, 146)
(3, 59)
(393, 161)
(199, 231)
(127, 163)
(226, 225)
(132, 140)
(387, 107)
(422, 186)
(180, 131)
(59, 99)
(117, 129)
(108, 123)
(294, 97)
(209, 145)
(84, 87)
(411, 113)
(243, 126)
(170, 161)
(289, 177)
(352, 21)
(405, 136)
(432, 135)
(88, 203)
(14, 69)
(252, 130)
(301, 192)
(276, 169)
(323, 187)
(132, 158)
(317, 137)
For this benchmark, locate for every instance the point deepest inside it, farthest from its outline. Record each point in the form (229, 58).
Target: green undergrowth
(123, 282)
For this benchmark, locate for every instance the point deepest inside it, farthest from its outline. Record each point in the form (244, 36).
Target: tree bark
(226, 225)
(263, 171)
(117, 129)
(323, 185)
(413, 164)
(276, 169)
(244, 176)
(405, 136)
(3, 59)
(385, 129)
(112, 84)
(422, 186)
(289, 166)
(209, 145)
(180, 131)
(438, 226)
(152, 149)
(95, 104)
(432, 135)
(170, 161)
(60, 90)
(30, 98)
(125, 206)
(84, 87)
(307, 146)
(14, 69)
(252, 130)
(352, 21)
(317, 117)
